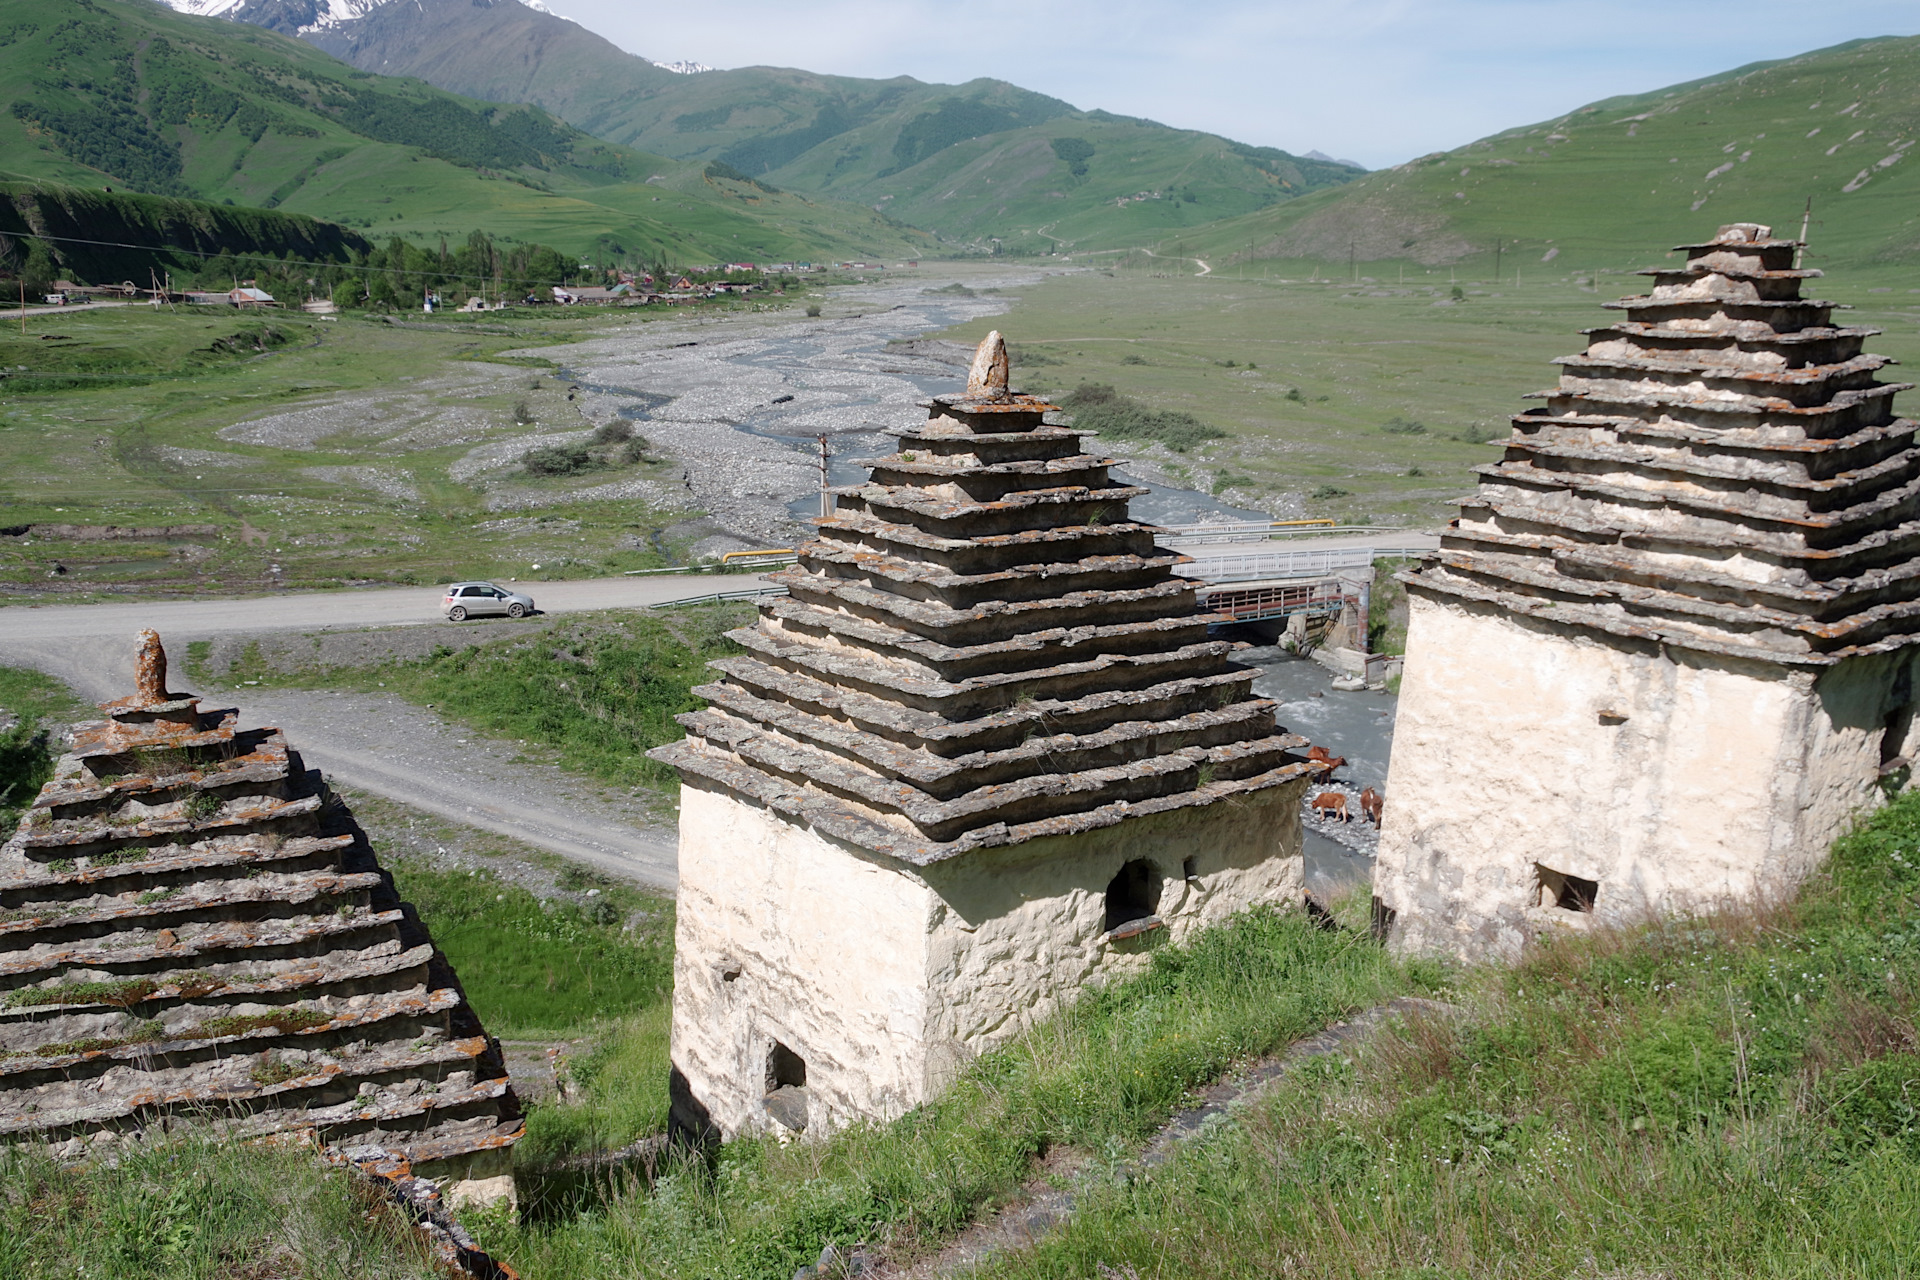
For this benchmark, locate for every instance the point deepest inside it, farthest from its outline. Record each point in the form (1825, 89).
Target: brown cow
(1331, 803)
(1327, 761)
(1371, 804)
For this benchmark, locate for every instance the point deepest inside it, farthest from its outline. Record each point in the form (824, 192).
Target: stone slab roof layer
(980, 648)
(192, 927)
(1719, 471)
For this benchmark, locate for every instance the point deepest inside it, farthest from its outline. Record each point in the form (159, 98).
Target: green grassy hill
(127, 94)
(974, 162)
(1602, 183)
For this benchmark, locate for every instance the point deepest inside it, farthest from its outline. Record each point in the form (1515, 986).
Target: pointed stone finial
(150, 668)
(1743, 233)
(987, 379)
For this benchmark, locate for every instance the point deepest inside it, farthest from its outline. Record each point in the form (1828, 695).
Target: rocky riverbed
(737, 402)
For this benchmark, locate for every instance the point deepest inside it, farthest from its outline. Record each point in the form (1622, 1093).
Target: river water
(1355, 724)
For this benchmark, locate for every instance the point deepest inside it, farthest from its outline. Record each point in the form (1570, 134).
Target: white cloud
(1377, 80)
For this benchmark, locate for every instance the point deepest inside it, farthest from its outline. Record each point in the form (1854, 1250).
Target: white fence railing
(1173, 535)
(1257, 566)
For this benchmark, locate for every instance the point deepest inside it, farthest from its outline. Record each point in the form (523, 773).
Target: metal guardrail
(1259, 565)
(717, 597)
(771, 555)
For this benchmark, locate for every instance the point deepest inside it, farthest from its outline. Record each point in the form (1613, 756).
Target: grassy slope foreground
(1366, 402)
(974, 162)
(126, 93)
(1728, 1096)
(1614, 181)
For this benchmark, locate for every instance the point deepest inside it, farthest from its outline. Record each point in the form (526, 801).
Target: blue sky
(1377, 81)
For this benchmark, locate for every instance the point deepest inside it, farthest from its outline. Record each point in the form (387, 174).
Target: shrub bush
(1097, 407)
(559, 460)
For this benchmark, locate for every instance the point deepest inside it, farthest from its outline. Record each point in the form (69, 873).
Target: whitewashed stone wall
(827, 944)
(1677, 781)
(886, 978)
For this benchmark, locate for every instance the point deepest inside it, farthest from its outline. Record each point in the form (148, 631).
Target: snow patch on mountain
(324, 14)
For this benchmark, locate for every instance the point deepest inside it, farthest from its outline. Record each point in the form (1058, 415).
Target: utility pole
(824, 499)
(1496, 262)
(1806, 219)
(23, 304)
(1353, 269)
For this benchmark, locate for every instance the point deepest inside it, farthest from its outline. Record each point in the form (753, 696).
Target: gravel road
(178, 621)
(381, 744)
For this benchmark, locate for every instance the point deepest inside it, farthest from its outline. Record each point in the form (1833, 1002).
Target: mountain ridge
(1596, 185)
(131, 94)
(895, 145)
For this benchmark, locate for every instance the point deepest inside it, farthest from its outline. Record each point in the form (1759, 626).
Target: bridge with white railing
(1247, 585)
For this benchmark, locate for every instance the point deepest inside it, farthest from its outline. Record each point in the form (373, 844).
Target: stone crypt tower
(983, 754)
(194, 930)
(1667, 652)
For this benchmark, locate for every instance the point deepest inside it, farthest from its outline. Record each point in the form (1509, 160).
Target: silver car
(474, 599)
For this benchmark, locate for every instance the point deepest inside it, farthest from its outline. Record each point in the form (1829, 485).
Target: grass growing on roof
(1728, 1096)
(1098, 1075)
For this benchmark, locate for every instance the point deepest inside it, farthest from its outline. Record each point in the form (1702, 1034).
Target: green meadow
(1731, 1095)
(1365, 399)
(113, 417)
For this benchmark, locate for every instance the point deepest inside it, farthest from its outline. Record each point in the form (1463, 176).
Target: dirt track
(379, 743)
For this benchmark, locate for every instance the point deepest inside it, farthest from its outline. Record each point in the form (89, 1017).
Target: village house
(240, 296)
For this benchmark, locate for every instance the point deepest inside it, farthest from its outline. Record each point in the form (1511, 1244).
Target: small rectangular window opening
(785, 1067)
(786, 1101)
(1567, 892)
(1190, 868)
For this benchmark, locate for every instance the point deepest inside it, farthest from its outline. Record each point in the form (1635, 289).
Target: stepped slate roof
(191, 925)
(980, 648)
(1720, 471)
